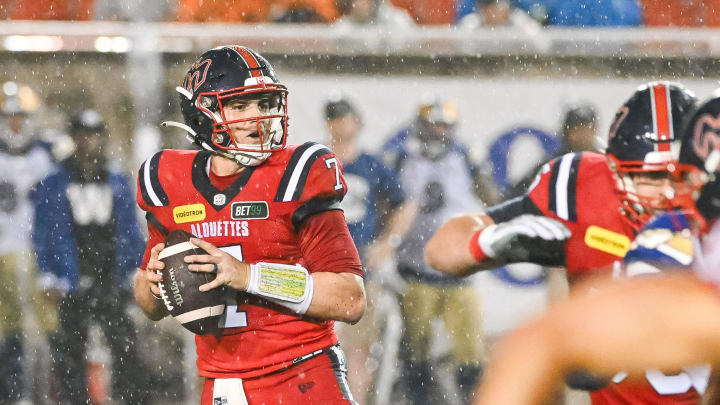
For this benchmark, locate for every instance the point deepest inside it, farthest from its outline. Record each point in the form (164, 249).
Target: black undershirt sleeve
(513, 208)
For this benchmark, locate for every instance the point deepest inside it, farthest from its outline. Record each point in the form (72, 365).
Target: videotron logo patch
(607, 241)
(250, 210)
(189, 213)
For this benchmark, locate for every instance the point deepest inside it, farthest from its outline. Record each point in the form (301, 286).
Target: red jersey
(577, 189)
(657, 388)
(263, 215)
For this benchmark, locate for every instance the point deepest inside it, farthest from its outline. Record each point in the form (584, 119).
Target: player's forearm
(623, 326)
(525, 355)
(152, 307)
(447, 251)
(338, 297)
(659, 322)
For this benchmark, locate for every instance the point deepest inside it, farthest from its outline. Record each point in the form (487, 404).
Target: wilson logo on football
(174, 288)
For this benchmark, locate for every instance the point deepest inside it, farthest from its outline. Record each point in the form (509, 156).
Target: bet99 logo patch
(249, 210)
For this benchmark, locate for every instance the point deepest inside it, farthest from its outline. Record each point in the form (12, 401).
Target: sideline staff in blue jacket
(88, 242)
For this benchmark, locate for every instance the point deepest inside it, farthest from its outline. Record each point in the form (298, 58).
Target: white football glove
(527, 238)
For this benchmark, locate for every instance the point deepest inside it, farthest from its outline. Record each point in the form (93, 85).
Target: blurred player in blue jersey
(24, 161)
(436, 172)
(378, 216)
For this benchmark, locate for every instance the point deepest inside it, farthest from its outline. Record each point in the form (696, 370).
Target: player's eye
(238, 105)
(269, 102)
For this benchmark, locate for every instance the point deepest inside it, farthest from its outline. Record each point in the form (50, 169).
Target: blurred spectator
(429, 12)
(249, 11)
(584, 13)
(537, 9)
(594, 13)
(378, 218)
(23, 162)
(88, 242)
(493, 13)
(372, 12)
(579, 129)
(437, 174)
(304, 11)
(578, 132)
(256, 11)
(681, 13)
(46, 9)
(133, 10)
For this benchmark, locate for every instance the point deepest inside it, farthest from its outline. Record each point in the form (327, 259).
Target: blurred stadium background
(127, 62)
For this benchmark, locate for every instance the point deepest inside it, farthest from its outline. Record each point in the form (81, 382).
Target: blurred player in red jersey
(266, 213)
(583, 209)
(651, 322)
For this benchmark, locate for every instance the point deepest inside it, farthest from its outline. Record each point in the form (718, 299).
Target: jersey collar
(202, 183)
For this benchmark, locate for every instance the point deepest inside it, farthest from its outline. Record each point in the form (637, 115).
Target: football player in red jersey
(583, 209)
(663, 322)
(266, 214)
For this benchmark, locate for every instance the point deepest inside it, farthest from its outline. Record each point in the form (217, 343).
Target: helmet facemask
(17, 108)
(643, 148)
(435, 127)
(639, 207)
(260, 111)
(690, 184)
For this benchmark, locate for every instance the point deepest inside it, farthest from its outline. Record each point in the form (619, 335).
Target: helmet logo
(258, 80)
(706, 137)
(196, 75)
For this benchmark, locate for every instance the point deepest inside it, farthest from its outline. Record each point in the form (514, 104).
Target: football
(199, 312)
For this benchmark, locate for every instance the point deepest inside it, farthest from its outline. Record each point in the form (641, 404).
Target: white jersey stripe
(671, 131)
(561, 187)
(229, 391)
(201, 313)
(175, 249)
(295, 177)
(148, 184)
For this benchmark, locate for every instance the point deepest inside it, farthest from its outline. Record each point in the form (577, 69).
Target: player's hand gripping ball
(199, 312)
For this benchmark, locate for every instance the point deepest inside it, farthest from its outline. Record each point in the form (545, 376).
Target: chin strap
(191, 134)
(244, 159)
(179, 125)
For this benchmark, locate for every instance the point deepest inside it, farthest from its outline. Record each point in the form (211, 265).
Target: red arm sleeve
(326, 244)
